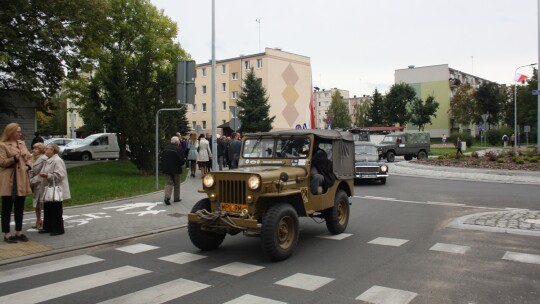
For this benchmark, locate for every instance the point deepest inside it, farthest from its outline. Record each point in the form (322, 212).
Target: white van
(96, 146)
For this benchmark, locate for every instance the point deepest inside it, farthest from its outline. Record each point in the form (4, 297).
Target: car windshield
(258, 148)
(74, 142)
(390, 139)
(89, 139)
(359, 149)
(286, 147)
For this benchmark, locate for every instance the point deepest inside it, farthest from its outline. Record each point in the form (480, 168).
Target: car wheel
(337, 217)
(383, 181)
(421, 155)
(390, 156)
(280, 232)
(202, 239)
(86, 156)
(408, 157)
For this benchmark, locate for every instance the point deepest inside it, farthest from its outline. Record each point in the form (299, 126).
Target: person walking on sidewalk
(221, 150)
(235, 146)
(15, 161)
(203, 154)
(54, 173)
(39, 159)
(458, 147)
(192, 146)
(172, 161)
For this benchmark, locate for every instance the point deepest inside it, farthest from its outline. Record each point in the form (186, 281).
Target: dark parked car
(367, 163)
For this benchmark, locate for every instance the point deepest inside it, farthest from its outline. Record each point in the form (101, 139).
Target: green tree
(421, 112)
(489, 100)
(376, 112)
(41, 40)
(339, 112)
(463, 105)
(361, 113)
(133, 78)
(396, 103)
(255, 106)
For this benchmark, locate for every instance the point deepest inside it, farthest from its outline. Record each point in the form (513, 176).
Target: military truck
(407, 144)
(271, 189)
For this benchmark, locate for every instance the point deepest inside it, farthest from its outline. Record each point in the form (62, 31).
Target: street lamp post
(515, 103)
(316, 89)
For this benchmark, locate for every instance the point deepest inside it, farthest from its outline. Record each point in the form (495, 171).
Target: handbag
(52, 194)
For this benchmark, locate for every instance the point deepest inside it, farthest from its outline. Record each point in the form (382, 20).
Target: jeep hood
(266, 172)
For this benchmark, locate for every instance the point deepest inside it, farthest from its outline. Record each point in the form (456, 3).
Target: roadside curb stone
(524, 222)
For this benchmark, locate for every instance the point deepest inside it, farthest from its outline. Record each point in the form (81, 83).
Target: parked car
(96, 146)
(407, 144)
(270, 190)
(367, 162)
(61, 142)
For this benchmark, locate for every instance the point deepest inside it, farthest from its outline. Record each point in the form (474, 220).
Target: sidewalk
(117, 220)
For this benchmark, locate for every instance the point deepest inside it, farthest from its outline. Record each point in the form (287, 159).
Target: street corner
(10, 251)
(524, 222)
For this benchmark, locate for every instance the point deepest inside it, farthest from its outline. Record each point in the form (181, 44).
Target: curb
(459, 224)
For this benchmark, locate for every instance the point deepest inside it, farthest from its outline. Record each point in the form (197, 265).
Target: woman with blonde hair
(192, 146)
(15, 161)
(39, 158)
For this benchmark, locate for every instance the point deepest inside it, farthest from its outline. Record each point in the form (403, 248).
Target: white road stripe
(384, 295)
(29, 271)
(237, 269)
(137, 248)
(250, 299)
(388, 241)
(60, 289)
(160, 293)
(337, 237)
(304, 281)
(391, 199)
(522, 257)
(451, 248)
(182, 258)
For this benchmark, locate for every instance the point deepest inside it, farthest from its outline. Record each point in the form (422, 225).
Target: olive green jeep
(271, 188)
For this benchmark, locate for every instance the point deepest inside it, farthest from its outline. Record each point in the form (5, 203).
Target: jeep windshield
(281, 147)
(390, 139)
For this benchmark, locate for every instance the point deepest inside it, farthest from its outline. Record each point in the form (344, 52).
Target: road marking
(237, 269)
(304, 281)
(64, 288)
(391, 199)
(522, 257)
(182, 258)
(337, 237)
(451, 248)
(160, 293)
(384, 295)
(250, 299)
(388, 241)
(137, 248)
(29, 271)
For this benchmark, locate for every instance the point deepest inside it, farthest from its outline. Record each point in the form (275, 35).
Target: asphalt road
(397, 242)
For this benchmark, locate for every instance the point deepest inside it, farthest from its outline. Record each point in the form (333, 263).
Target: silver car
(367, 163)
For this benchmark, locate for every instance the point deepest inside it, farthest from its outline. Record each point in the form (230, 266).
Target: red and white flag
(312, 122)
(520, 78)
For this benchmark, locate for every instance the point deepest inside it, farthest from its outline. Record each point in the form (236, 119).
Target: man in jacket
(172, 160)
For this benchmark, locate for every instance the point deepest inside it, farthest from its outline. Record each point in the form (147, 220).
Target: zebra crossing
(180, 287)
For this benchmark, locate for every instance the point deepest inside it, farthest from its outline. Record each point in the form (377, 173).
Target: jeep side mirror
(284, 177)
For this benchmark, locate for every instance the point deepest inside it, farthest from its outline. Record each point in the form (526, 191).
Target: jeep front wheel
(421, 155)
(202, 239)
(280, 232)
(390, 156)
(337, 217)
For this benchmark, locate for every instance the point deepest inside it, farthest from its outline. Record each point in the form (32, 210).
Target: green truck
(405, 144)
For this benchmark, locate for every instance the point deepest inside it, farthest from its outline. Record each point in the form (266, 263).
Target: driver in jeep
(321, 176)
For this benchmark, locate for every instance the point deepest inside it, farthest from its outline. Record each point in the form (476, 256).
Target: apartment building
(323, 99)
(364, 102)
(441, 82)
(285, 76)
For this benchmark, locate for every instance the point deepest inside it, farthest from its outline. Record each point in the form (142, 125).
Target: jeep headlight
(208, 181)
(384, 168)
(254, 182)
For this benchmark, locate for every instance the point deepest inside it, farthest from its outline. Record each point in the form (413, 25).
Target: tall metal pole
(515, 103)
(538, 81)
(214, 139)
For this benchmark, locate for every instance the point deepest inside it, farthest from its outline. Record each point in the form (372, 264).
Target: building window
(204, 124)
(224, 104)
(259, 63)
(235, 95)
(203, 89)
(204, 72)
(246, 64)
(235, 76)
(224, 87)
(204, 107)
(223, 69)
(194, 108)
(193, 125)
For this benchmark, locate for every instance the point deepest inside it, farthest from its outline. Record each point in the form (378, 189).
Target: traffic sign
(235, 123)
(536, 92)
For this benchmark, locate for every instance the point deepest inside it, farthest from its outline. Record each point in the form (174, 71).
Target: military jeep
(270, 190)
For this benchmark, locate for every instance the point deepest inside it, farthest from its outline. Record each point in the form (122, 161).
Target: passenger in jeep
(321, 176)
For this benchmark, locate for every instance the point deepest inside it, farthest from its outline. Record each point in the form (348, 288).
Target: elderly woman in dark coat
(54, 172)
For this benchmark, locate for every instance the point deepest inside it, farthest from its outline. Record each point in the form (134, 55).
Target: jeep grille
(232, 191)
(367, 169)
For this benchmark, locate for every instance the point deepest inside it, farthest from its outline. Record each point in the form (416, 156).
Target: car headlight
(254, 182)
(384, 168)
(208, 181)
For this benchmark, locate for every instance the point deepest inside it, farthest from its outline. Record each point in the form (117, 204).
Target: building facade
(441, 82)
(364, 104)
(323, 99)
(285, 76)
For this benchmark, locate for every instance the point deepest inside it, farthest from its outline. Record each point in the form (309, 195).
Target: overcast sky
(357, 45)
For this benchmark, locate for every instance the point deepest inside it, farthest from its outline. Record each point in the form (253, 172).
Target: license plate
(233, 207)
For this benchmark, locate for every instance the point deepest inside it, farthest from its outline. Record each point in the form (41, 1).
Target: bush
(534, 159)
(500, 161)
(494, 136)
(518, 160)
(464, 137)
(492, 156)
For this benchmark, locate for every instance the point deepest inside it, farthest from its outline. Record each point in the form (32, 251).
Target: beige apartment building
(323, 99)
(364, 103)
(285, 76)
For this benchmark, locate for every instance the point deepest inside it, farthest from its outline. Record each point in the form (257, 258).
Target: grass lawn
(106, 181)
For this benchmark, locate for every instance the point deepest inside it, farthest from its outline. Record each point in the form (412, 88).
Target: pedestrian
(37, 139)
(15, 161)
(505, 140)
(192, 146)
(54, 173)
(444, 139)
(229, 151)
(236, 144)
(221, 150)
(209, 162)
(458, 147)
(172, 161)
(513, 140)
(203, 154)
(38, 159)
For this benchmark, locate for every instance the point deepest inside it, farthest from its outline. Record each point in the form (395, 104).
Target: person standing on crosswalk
(172, 161)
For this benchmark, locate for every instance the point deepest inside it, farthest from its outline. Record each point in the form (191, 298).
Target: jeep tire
(280, 231)
(202, 239)
(390, 156)
(337, 217)
(421, 155)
